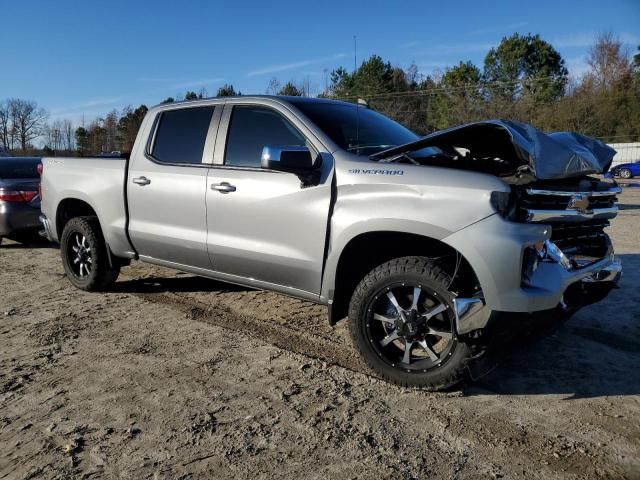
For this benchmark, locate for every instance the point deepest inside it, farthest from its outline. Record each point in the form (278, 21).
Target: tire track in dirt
(287, 338)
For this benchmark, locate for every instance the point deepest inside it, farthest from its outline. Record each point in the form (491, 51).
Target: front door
(263, 225)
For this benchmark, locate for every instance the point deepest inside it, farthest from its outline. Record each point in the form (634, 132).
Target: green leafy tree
(82, 141)
(128, 126)
(190, 96)
(525, 65)
(459, 95)
(289, 89)
(168, 100)
(227, 90)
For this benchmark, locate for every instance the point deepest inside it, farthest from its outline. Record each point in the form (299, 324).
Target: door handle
(224, 187)
(142, 181)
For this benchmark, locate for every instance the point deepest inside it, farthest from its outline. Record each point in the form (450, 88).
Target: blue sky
(89, 57)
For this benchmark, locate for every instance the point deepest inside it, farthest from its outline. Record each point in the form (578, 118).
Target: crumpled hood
(545, 156)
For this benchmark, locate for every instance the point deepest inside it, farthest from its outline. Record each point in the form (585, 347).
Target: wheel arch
(367, 250)
(69, 208)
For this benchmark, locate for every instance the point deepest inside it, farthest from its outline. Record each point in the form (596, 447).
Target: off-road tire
(102, 275)
(406, 269)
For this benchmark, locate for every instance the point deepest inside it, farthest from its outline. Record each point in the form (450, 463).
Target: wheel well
(366, 251)
(70, 208)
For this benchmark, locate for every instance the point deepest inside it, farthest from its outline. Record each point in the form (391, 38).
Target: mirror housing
(287, 158)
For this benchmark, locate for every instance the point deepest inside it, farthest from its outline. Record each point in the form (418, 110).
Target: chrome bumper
(610, 273)
(473, 314)
(46, 228)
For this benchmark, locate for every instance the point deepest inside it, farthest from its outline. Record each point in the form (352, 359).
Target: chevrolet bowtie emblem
(579, 203)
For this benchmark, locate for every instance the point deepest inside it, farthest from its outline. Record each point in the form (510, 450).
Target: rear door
(167, 184)
(269, 228)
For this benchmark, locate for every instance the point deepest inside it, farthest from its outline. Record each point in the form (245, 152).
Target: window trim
(225, 128)
(209, 141)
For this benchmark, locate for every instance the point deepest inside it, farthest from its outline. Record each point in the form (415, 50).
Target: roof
(282, 98)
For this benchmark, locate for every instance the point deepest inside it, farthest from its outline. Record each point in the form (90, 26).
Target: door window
(181, 135)
(251, 129)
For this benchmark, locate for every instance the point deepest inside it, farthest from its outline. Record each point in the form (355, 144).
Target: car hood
(520, 148)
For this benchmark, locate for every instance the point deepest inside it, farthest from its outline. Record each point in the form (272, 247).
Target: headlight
(501, 203)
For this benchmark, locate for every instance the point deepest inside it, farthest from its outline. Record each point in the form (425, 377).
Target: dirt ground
(173, 376)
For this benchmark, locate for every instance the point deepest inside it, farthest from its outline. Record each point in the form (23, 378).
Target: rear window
(181, 135)
(13, 168)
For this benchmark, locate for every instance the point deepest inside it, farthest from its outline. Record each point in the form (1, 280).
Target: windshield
(13, 167)
(356, 128)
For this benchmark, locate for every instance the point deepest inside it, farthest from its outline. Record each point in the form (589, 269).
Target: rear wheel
(84, 255)
(624, 173)
(402, 320)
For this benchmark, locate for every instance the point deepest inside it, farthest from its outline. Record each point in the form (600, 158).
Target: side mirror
(287, 158)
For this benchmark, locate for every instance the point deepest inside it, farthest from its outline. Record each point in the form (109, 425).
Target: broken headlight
(531, 257)
(502, 203)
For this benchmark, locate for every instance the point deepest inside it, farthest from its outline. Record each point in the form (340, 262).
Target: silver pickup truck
(427, 244)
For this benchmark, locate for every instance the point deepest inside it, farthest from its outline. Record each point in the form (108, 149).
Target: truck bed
(99, 184)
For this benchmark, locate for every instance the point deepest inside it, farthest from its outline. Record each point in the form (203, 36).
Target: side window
(253, 127)
(181, 134)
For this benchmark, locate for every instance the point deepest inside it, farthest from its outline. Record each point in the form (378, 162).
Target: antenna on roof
(355, 54)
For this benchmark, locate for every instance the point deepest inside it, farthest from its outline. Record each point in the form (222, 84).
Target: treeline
(523, 78)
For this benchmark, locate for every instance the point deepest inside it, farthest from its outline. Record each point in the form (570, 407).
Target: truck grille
(542, 205)
(577, 217)
(587, 239)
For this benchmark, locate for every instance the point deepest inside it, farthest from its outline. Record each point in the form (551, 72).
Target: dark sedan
(19, 197)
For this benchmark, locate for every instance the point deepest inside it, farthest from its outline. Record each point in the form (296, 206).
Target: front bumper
(18, 217)
(495, 247)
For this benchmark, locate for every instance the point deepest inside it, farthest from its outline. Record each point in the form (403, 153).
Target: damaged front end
(551, 186)
(516, 152)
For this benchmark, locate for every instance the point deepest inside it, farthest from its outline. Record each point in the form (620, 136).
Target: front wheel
(625, 173)
(84, 255)
(402, 321)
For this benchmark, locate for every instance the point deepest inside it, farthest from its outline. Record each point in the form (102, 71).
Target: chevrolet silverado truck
(423, 242)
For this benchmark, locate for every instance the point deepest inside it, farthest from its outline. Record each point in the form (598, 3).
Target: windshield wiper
(362, 147)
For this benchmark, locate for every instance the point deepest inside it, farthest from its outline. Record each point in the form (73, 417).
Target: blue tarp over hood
(545, 156)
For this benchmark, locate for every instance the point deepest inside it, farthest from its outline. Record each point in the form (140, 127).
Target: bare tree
(110, 125)
(7, 132)
(53, 136)
(274, 86)
(68, 135)
(28, 120)
(609, 61)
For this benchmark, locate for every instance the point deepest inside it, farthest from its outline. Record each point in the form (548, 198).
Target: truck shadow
(25, 242)
(174, 284)
(593, 354)
(628, 206)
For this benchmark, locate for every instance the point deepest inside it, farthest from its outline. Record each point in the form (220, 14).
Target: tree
(274, 86)
(7, 131)
(110, 126)
(68, 135)
(190, 96)
(525, 65)
(168, 100)
(609, 63)
(291, 90)
(128, 126)
(460, 96)
(227, 90)
(28, 120)
(82, 141)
